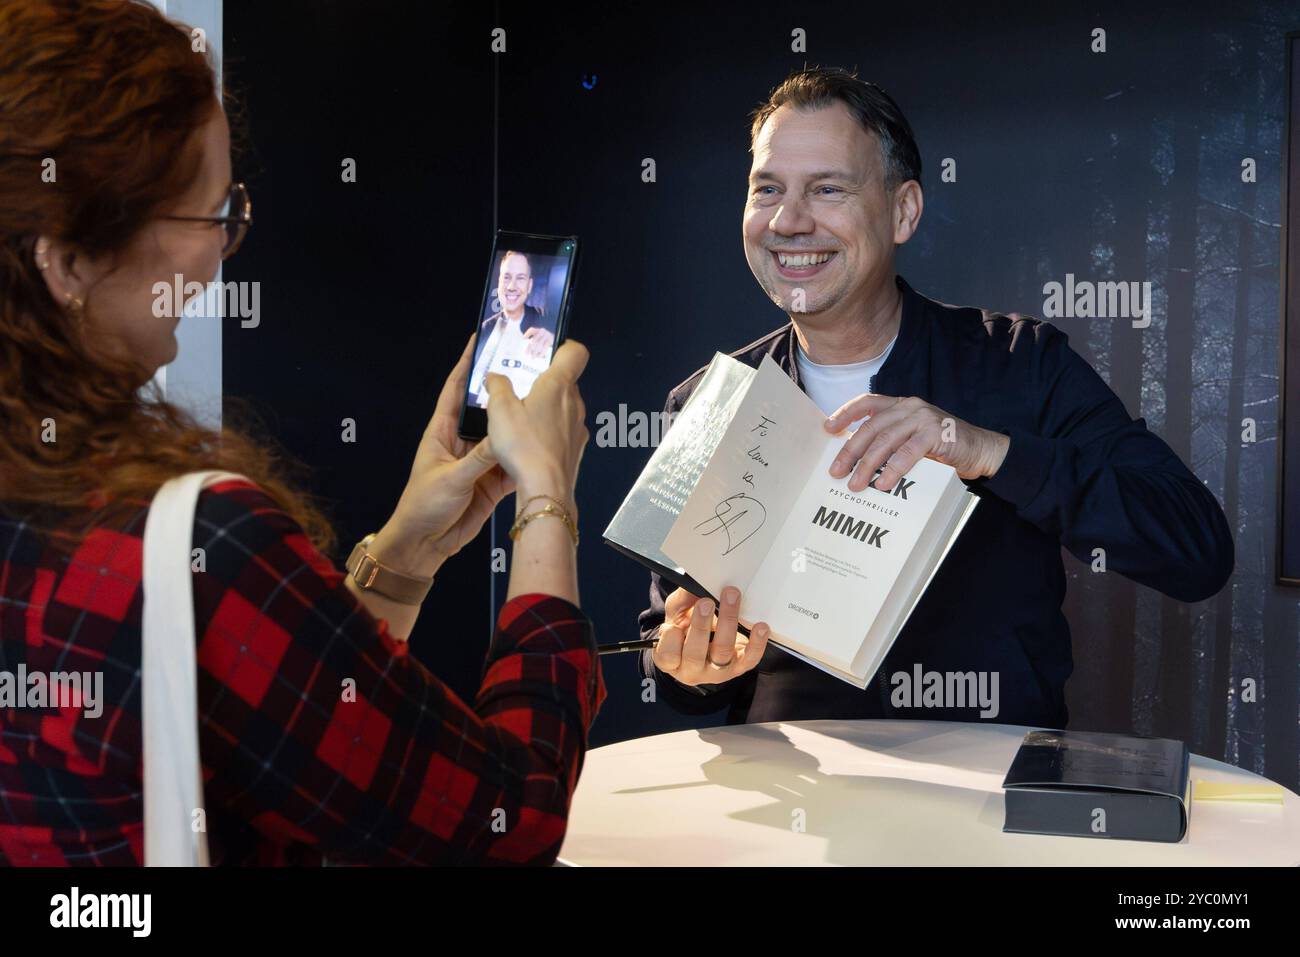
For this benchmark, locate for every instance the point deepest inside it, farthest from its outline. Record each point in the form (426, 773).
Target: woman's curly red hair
(113, 93)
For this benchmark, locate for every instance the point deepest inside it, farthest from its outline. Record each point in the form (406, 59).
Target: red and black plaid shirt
(294, 771)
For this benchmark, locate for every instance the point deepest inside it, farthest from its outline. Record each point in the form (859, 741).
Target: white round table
(866, 792)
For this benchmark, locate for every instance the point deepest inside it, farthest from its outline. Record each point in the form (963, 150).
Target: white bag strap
(173, 783)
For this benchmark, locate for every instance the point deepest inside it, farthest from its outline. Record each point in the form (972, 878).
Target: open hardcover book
(739, 492)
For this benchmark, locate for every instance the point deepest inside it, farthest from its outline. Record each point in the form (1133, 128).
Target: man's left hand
(901, 432)
(539, 342)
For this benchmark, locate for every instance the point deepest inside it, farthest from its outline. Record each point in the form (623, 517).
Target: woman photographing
(320, 736)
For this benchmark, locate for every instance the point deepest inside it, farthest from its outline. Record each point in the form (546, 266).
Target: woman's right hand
(698, 647)
(538, 440)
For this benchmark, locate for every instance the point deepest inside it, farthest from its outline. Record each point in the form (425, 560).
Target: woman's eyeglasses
(236, 216)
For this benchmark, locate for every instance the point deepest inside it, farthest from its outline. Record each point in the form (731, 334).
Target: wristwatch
(370, 575)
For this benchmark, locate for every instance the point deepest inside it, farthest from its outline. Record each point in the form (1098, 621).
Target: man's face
(515, 283)
(816, 192)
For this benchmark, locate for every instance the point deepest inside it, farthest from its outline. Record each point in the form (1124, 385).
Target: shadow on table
(851, 812)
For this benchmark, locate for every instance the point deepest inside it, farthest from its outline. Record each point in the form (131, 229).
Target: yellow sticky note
(1245, 791)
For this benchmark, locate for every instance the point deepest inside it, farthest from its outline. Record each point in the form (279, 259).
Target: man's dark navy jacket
(1079, 473)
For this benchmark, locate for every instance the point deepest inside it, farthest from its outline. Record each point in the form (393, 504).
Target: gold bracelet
(555, 508)
(550, 498)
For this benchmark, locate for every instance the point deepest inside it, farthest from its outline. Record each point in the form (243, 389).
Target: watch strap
(371, 575)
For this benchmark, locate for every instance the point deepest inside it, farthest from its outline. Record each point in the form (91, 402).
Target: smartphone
(523, 319)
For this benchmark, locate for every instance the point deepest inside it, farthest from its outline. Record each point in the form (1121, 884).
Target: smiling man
(1056, 460)
(516, 340)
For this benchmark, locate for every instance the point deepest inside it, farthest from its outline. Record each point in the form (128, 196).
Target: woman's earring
(75, 306)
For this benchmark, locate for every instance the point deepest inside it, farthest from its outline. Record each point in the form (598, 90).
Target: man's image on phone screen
(517, 336)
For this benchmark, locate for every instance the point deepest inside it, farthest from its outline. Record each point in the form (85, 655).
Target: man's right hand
(698, 647)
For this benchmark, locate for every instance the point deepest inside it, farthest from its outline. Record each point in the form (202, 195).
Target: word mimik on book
(846, 524)
(858, 528)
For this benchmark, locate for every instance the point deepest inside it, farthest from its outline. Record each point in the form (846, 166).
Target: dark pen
(621, 646)
(641, 645)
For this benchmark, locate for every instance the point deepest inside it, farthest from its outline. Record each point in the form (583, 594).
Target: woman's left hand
(453, 488)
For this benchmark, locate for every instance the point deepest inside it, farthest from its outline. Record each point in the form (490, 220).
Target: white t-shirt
(506, 352)
(830, 386)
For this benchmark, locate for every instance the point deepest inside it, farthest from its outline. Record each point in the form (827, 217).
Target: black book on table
(1088, 784)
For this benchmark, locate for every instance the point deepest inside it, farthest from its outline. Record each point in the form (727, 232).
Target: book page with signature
(815, 561)
(758, 470)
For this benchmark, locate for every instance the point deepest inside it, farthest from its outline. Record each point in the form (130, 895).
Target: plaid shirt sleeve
(318, 728)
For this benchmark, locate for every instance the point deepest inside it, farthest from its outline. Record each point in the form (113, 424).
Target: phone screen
(523, 317)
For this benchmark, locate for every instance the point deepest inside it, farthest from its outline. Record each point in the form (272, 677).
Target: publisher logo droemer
(804, 611)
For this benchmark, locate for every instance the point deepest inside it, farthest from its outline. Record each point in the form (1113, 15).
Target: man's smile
(801, 264)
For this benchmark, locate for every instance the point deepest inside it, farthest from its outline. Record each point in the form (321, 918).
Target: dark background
(1124, 165)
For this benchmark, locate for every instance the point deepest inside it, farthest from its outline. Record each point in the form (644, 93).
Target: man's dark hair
(815, 87)
(514, 252)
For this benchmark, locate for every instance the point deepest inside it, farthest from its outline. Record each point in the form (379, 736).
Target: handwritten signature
(750, 513)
